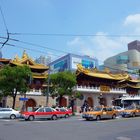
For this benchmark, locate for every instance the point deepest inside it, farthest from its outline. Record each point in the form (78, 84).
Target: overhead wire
(25, 48)
(67, 35)
(4, 21)
(33, 44)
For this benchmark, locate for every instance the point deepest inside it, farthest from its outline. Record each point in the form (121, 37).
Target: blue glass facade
(70, 61)
(123, 59)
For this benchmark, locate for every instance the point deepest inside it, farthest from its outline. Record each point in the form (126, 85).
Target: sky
(97, 28)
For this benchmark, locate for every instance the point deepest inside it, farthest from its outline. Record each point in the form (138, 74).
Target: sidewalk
(78, 114)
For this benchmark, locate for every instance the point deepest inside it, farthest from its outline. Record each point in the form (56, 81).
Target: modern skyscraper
(43, 60)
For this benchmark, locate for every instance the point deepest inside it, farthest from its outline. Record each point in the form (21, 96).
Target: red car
(65, 113)
(42, 113)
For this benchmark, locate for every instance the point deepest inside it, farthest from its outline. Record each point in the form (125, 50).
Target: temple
(103, 87)
(39, 74)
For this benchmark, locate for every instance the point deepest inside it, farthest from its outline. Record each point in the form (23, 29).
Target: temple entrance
(63, 101)
(30, 104)
(90, 101)
(103, 101)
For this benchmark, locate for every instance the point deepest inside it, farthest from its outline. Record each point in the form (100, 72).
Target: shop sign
(104, 88)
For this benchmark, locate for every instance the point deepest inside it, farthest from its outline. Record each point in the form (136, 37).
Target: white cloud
(132, 20)
(102, 45)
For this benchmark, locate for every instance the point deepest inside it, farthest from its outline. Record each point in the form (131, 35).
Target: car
(131, 111)
(65, 113)
(118, 109)
(9, 113)
(100, 113)
(42, 113)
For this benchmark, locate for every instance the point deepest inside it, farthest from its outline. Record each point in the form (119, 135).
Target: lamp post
(48, 89)
(100, 99)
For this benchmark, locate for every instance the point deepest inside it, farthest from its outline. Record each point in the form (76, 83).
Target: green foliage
(14, 79)
(62, 83)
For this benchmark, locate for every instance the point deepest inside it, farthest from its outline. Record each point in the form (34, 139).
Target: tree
(62, 83)
(13, 80)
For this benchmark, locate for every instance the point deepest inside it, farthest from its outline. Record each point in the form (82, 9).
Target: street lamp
(100, 99)
(48, 89)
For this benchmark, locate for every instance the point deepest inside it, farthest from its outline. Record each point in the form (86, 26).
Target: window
(109, 109)
(63, 110)
(104, 109)
(40, 110)
(48, 110)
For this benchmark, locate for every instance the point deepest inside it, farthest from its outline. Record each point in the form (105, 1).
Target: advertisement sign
(61, 65)
(75, 61)
(23, 99)
(87, 63)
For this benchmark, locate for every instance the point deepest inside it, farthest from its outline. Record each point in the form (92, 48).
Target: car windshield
(117, 108)
(129, 108)
(97, 109)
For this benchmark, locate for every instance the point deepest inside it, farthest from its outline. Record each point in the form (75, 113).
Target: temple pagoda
(102, 87)
(39, 74)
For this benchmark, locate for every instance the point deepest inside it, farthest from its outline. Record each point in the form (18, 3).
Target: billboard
(87, 63)
(61, 65)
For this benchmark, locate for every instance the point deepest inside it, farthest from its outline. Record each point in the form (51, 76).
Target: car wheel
(12, 116)
(98, 118)
(67, 115)
(31, 118)
(54, 117)
(114, 116)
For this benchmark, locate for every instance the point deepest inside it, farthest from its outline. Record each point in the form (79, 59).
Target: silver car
(9, 113)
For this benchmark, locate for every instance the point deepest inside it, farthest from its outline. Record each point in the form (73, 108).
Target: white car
(9, 113)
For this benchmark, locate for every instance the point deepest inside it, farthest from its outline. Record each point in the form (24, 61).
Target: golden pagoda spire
(24, 56)
(16, 59)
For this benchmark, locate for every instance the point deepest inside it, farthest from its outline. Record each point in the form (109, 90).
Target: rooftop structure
(39, 71)
(134, 45)
(70, 61)
(102, 87)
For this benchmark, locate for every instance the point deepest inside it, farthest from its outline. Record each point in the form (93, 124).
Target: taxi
(100, 113)
(42, 113)
(131, 111)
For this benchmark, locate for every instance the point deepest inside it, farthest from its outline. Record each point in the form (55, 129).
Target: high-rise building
(128, 61)
(134, 45)
(70, 61)
(43, 60)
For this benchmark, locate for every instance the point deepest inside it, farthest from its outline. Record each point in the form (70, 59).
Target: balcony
(97, 90)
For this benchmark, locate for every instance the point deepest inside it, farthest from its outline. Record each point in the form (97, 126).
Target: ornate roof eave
(39, 67)
(3, 60)
(130, 86)
(38, 75)
(31, 66)
(134, 87)
(23, 60)
(103, 75)
(134, 81)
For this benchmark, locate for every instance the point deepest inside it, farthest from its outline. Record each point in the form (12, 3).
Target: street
(74, 128)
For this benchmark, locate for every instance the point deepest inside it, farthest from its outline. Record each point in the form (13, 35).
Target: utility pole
(48, 88)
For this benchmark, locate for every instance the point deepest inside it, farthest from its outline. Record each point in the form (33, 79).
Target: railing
(34, 92)
(97, 89)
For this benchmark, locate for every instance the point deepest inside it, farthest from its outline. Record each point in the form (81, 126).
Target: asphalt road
(74, 128)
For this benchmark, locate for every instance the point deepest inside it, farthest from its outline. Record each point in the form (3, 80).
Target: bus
(126, 101)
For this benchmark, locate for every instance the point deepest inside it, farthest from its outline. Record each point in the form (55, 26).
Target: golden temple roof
(105, 75)
(25, 60)
(40, 75)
